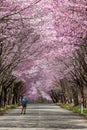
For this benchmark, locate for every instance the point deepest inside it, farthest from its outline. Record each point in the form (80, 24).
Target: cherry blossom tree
(16, 41)
(40, 37)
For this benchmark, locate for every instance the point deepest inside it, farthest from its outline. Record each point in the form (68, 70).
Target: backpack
(24, 101)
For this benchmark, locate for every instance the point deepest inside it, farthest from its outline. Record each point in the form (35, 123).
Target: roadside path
(42, 117)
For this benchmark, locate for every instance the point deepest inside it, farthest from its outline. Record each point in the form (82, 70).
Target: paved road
(42, 117)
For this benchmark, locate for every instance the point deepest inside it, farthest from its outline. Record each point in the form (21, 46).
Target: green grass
(10, 106)
(7, 107)
(76, 109)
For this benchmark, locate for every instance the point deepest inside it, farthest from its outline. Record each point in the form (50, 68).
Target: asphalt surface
(42, 117)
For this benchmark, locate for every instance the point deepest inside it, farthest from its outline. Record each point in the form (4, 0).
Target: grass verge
(75, 109)
(7, 107)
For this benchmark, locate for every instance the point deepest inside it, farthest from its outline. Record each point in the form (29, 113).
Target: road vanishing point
(42, 117)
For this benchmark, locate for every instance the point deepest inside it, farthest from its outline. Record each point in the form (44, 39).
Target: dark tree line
(17, 38)
(74, 84)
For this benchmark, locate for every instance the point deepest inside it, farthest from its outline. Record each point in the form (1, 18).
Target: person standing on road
(24, 105)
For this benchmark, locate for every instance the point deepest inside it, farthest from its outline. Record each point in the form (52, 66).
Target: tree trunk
(82, 96)
(75, 97)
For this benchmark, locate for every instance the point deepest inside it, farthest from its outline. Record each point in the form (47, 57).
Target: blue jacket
(24, 101)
